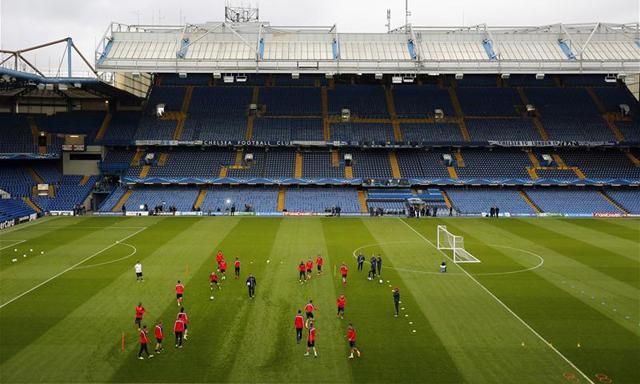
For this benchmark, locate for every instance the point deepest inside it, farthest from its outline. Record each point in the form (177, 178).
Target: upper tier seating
(585, 128)
(478, 200)
(68, 194)
(630, 130)
(501, 129)
(314, 199)
(489, 101)
(82, 123)
(193, 164)
(362, 132)
(152, 128)
(362, 100)
(122, 128)
(495, 164)
(570, 201)
(292, 101)
(220, 101)
(420, 101)
(261, 199)
(204, 126)
(602, 164)
(279, 163)
(173, 79)
(317, 164)
(288, 129)
(628, 199)
(13, 209)
(16, 135)
(554, 102)
(370, 164)
(433, 133)
(612, 97)
(15, 179)
(421, 164)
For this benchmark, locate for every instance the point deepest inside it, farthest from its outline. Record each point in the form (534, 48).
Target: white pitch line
(135, 250)
(15, 242)
(503, 305)
(70, 268)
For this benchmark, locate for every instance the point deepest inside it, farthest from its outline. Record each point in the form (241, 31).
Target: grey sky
(29, 22)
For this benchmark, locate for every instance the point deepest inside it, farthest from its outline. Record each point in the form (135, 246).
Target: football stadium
(237, 201)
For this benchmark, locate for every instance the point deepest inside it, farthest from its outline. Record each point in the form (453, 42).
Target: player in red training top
(178, 329)
(219, 257)
(309, 266)
(139, 313)
(223, 269)
(319, 264)
(351, 336)
(236, 267)
(298, 322)
(182, 315)
(311, 340)
(213, 280)
(308, 309)
(159, 336)
(343, 273)
(301, 271)
(179, 292)
(341, 303)
(144, 340)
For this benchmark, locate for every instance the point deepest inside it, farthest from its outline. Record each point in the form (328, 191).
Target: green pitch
(553, 301)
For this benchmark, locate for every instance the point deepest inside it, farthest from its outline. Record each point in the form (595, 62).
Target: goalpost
(449, 241)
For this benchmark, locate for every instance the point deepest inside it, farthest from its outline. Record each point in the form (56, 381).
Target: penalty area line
(13, 243)
(70, 268)
(539, 336)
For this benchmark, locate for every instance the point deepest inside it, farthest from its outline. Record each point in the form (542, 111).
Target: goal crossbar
(448, 241)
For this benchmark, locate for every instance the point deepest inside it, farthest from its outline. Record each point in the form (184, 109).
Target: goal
(449, 241)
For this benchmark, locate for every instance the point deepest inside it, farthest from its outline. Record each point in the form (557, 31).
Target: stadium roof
(259, 47)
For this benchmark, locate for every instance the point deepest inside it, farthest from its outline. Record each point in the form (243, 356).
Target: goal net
(449, 241)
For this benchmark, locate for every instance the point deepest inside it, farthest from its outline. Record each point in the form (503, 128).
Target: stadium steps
(250, 122)
(326, 129)
(459, 114)
(459, 159)
(238, 161)
(162, 161)
(255, 95)
(596, 100)
(395, 168)
(534, 159)
(559, 162)
(201, 195)
(532, 173)
(135, 161)
(123, 199)
(52, 191)
(391, 107)
(104, 126)
(362, 199)
(579, 173)
(223, 171)
(529, 202)
(447, 200)
(299, 162)
(610, 121)
(145, 171)
(326, 125)
(613, 202)
(34, 175)
(281, 199)
(633, 159)
(540, 127)
(348, 172)
(35, 132)
(177, 134)
(186, 102)
(463, 129)
(452, 172)
(85, 179)
(31, 204)
(335, 158)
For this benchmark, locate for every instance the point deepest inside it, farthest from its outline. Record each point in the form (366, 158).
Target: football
(381, 281)
(211, 298)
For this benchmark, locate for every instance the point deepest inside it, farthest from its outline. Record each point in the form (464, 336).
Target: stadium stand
(318, 199)
(489, 101)
(362, 132)
(16, 135)
(362, 100)
(628, 199)
(501, 129)
(433, 133)
(319, 164)
(370, 164)
(259, 199)
(13, 209)
(278, 101)
(480, 200)
(494, 164)
(415, 101)
(585, 202)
